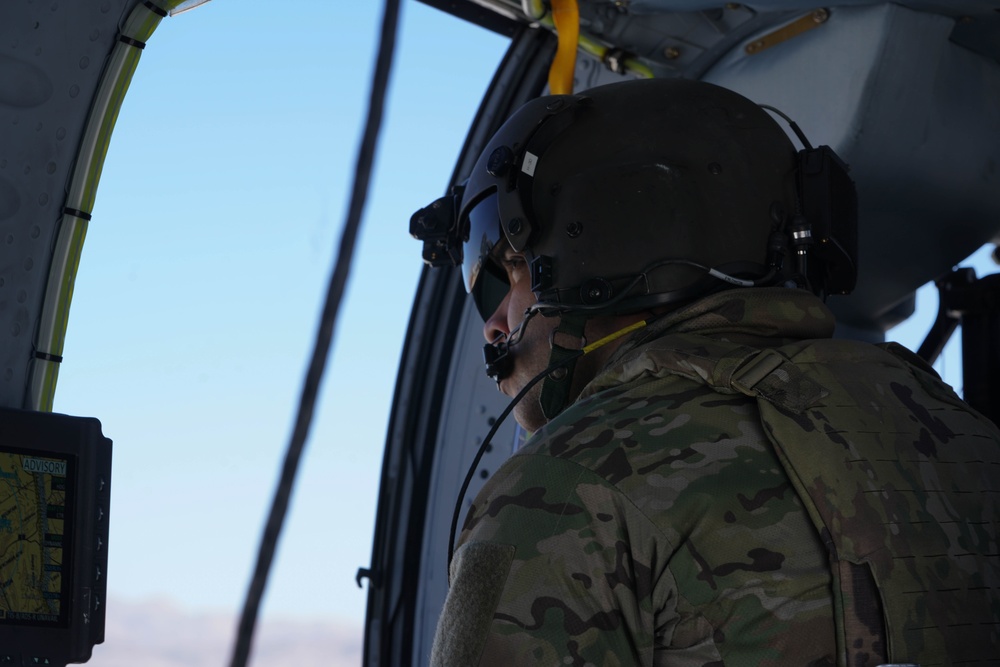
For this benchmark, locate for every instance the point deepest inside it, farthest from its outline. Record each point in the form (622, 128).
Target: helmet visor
(484, 279)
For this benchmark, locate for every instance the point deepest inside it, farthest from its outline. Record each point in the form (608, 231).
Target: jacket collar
(704, 336)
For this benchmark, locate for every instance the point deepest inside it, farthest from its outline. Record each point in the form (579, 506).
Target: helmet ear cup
(830, 209)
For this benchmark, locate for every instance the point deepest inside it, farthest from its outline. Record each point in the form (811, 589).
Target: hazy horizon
(160, 632)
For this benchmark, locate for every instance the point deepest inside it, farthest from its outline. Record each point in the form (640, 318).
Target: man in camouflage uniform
(724, 484)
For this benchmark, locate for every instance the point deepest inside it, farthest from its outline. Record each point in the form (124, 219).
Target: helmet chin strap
(557, 383)
(556, 386)
(569, 358)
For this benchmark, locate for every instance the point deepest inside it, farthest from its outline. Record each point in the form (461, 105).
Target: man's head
(527, 339)
(630, 197)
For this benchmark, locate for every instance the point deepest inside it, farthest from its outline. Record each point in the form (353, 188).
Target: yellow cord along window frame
(566, 16)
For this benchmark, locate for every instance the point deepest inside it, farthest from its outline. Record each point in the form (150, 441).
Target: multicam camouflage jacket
(732, 491)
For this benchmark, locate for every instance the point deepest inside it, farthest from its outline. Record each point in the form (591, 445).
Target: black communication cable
(791, 123)
(486, 443)
(324, 336)
(517, 399)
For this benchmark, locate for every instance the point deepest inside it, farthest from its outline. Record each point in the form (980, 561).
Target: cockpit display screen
(35, 527)
(55, 493)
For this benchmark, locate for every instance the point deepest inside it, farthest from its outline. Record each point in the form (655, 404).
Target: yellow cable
(618, 334)
(566, 15)
(599, 51)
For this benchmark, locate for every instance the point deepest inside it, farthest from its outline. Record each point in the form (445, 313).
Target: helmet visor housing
(484, 279)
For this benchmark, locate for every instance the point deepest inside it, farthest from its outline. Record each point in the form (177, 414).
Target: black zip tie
(45, 356)
(77, 213)
(125, 39)
(156, 9)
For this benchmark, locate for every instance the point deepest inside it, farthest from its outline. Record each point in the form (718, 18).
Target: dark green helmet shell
(623, 196)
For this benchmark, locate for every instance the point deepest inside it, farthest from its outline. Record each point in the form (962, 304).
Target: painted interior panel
(51, 59)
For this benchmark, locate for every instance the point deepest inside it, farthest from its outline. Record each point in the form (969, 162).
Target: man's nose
(497, 326)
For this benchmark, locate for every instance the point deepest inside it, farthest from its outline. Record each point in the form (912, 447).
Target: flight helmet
(626, 197)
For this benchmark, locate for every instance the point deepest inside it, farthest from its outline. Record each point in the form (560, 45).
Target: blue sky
(200, 285)
(196, 302)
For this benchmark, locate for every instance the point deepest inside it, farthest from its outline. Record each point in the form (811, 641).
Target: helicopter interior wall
(903, 105)
(51, 61)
